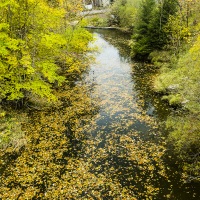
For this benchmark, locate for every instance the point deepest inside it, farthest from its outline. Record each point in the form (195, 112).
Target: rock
(173, 87)
(74, 23)
(150, 111)
(185, 101)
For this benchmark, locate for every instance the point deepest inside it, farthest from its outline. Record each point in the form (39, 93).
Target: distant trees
(147, 20)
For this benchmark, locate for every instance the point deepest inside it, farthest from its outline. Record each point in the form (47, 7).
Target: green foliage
(39, 51)
(185, 136)
(98, 21)
(149, 32)
(34, 44)
(183, 79)
(177, 32)
(182, 25)
(76, 58)
(141, 39)
(160, 58)
(124, 13)
(179, 81)
(181, 84)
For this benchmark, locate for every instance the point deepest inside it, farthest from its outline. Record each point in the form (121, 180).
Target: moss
(175, 99)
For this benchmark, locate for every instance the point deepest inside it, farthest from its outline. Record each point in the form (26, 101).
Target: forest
(45, 109)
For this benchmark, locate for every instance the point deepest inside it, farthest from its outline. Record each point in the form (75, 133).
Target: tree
(180, 27)
(149, 33)
(39, 51)
(34, 39)
(124, 13)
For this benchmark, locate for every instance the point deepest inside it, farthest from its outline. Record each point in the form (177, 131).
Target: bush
(124, 13)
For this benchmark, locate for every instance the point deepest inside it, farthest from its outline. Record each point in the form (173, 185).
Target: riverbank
(94, 12)
(99, 19)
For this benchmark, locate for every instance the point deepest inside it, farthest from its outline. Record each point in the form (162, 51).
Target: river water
(104, 140)
(129, 148)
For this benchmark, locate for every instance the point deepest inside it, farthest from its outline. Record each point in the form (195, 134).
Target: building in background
(89, 4)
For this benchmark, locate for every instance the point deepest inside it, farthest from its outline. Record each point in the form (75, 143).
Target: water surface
(105, 140)
(128, 129)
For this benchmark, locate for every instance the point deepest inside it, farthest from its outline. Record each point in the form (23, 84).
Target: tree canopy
(37, 41)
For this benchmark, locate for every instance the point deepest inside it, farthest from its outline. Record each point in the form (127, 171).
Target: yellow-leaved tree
(36, 40)
(40, 50)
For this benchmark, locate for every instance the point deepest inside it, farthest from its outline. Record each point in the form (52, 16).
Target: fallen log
(96, 27)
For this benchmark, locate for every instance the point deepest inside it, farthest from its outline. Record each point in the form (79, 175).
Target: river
(104, 139)
(129, 127)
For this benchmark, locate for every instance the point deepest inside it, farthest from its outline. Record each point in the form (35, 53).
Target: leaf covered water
(98, 143)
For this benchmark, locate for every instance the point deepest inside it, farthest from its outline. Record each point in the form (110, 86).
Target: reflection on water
(121, 105)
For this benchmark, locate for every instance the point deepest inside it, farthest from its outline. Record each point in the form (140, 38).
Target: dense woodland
(166, 32)
(43, 53)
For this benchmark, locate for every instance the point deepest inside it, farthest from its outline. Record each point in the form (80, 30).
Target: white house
(89, 4)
